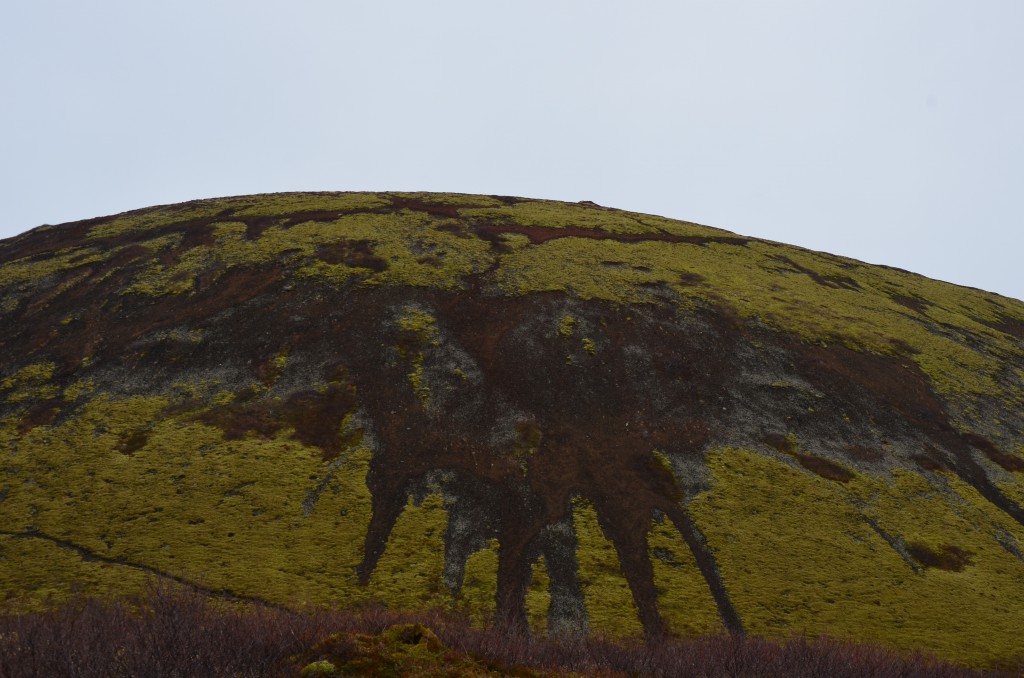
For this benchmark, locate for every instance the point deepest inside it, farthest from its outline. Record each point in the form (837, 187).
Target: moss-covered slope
(559, 415)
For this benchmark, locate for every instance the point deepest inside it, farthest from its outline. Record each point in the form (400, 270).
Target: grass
(172, 631)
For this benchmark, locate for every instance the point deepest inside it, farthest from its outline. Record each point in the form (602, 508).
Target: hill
(559, 416)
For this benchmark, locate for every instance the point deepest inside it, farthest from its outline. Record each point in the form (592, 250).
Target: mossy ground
(798, 553)
(606, 593)
(100, 486)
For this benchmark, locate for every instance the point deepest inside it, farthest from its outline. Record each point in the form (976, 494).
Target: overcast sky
(891, 131)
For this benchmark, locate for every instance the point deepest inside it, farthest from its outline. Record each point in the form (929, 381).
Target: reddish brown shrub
(174, 631)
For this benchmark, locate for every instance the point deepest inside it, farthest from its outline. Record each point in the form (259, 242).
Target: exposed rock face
(531, 364)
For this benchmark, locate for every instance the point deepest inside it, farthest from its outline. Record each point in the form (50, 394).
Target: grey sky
(891, 131)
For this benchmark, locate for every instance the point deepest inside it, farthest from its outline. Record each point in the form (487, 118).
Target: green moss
(157, 217)
(849, 303)
(423, 328)
(480, 584)
(552, 214)
(284, 204)
(419, 322)
(579, 266)
(337, 274)
(181, 498)
(823, 298)
(319, 668)
(417, 380)
(78, 389)
(162, 242)
(280, 360)
(30, 374)
(416, 252)
(234, 248)
(798, 554)
(30, 383)
(30, 269)
(186, 502)
(1013, 486)
(458, 199)
(157, 281)
(664, 462)
(606, 594)
(538, 596)
(684, 599)
(409, 573)
(36, 574)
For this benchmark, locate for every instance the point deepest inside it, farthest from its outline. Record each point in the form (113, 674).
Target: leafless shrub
(174, 631)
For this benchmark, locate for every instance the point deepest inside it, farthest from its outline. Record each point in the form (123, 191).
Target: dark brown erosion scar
(596, 426)
(542, 234)
(900, 388)
(660, 380)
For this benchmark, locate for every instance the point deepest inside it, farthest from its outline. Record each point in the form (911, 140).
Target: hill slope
(567, 416)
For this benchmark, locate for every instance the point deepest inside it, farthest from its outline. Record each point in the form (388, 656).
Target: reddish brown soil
(945, 557)
(835, 281)
(541, 234)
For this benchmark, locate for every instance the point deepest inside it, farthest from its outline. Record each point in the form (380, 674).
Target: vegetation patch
(181, 632)
(606, 594)
(408, 575)
(292, 398)
(794, 548)
(683, 596)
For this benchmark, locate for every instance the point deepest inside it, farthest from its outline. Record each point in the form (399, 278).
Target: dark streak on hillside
(706, 562)
(834, 281)
(541, 234)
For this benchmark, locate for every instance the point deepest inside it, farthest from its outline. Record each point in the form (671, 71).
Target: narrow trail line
(91, 556)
